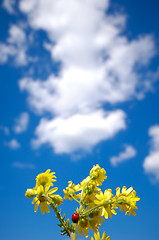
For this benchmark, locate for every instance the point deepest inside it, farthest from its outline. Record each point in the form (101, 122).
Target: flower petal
(36, 206)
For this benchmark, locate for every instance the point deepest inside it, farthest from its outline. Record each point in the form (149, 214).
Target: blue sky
(79, 86)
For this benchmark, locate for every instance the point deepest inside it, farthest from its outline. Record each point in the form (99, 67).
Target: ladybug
(75, 217)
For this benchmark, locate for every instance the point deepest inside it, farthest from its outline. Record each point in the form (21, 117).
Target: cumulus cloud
(12, 144)
(96, 58)
(15, 46)
(23, 165)
(99, 65)
(21, 123)
(79, 131)
(9, 6)
(128, 153)
(151, 162)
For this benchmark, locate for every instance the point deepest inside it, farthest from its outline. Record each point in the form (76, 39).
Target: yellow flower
(84, 182)
(83, 225)
(106, 209)
(89, 194)
(127, 200)
(125, 192)
(45, 179)
(70, 191)
(97, 236)
(98, 174)
(95, 221)
(41, 198)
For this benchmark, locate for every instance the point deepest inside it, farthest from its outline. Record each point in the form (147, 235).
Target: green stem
(73, 235)
(82, 199)
(105, 204)
(71, 195)
(60, 218)
(82, 202)
(90, 210)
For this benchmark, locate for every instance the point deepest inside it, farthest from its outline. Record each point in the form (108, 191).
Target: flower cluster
(94, 207)
(41, 192)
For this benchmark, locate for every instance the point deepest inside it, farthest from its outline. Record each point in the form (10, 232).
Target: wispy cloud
(15, 46)
(151, 162)
(23, 165)
(128, 153)
(9, 6)
(21, 123)
(98, 66)
(12, 144)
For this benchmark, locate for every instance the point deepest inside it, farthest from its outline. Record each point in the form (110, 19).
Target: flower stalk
(63, 223)
(73, 235)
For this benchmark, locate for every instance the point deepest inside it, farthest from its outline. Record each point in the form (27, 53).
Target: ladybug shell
(75, 217)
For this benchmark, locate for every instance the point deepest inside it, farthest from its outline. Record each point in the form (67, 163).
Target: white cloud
(128, 153)
(151, 162)
(67, 135)
(12, 144)
(98, 65)
(9, 6)
(21, 123)
(16, 35)
(5, 52)
(15, 46)
(23, 165)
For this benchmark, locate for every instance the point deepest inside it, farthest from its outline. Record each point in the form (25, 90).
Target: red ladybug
(75, 217)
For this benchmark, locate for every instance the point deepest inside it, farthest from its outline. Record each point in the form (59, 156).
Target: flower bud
(94, 175)
(30, 193)
(88, 190)
(57, 199)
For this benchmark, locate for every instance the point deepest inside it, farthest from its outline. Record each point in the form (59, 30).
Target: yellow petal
(46, 207)
(104, 236)
(86, 232)
(80, 231)
(129, 190)
(124, 189)
(117, 191)
(102, 212)
(121, 207)
(109, 212)
(36, 206)
(98, 235)
(137, 199)
(47, 187)
(114, 212)
(99, 196)
(53, 190)
(34, 200)
(105, 214)
(42, 208)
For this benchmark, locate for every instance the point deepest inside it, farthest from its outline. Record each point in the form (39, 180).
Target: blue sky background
(101, 107)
